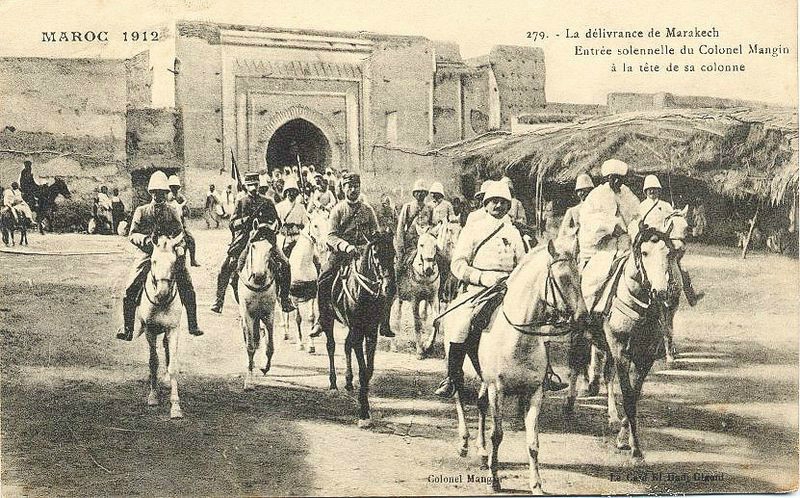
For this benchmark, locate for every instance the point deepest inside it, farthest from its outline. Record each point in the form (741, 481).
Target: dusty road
(74, 421)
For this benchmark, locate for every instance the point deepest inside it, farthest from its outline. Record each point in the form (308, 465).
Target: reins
(173, 290)
(250, 276)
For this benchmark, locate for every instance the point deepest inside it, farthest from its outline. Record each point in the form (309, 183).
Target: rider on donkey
(155, 218)
(488, 250)
(178, 203)
(249, 208)
(352, 222)
(654, 212)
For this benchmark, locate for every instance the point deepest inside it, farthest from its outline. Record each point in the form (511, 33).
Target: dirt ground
(74, 419)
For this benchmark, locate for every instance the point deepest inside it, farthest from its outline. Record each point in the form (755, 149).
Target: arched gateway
(300, 132)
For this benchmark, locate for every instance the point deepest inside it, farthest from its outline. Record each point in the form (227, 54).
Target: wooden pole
(750, 232)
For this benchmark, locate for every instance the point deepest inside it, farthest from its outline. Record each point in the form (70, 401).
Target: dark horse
(8, 224)
(359, 298)
(45, 196)
(630, 329)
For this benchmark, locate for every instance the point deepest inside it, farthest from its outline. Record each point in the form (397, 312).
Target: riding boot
(550, 383)
(189, 300)
(283, 279)
(223, 279)
(129, 304)
(325, 319)
(191, 246)
(691, 296)
(456, 355)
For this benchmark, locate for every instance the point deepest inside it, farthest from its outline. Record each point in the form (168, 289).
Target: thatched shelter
(737, 152)
(744, 156)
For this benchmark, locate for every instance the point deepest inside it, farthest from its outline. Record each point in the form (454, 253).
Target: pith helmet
(419, 186)
(497, 190)
(437, 188)
(174, 181)
(290, 183)
(263, 180)
(482, 190)
(583, 181)
(614, 167)
(158, 181)
(651, 181)
(251, 178)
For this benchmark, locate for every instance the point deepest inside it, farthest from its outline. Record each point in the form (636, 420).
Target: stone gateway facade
(269, 98)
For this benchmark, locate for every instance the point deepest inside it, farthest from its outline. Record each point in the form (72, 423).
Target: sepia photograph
(349, 248)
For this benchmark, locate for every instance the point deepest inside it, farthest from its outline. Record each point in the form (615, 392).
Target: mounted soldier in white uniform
(292, 213)
(488, 250)
(571, 223)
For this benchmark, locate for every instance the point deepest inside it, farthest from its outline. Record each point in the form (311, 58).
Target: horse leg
(397, 323)
(417, 326)
(285, 325)
(348, 358)
(371, 341)
(483, 410)
(496, 403)
(595, 369)
(532, 438)
(638, 374)
(252, 337)
(165, 344)
(298, 321)
(310, 318)
(364, 420)
(172, 369)
(463, 430)
(628, 403)
(609, 376)
(668, 314)
(330, 345)
(152, 395)
(269, 345)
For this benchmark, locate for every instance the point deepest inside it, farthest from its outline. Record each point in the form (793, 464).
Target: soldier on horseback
(352, 222)
(488, 250)
(28, 185)
(654, 212)
(179, 204)
(441, 207)
(155, 218)
(571, 223)
(249, 208)
(292, 213)
(415, 217)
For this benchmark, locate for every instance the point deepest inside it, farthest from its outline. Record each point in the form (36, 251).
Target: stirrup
(446, 389)
(552, 381)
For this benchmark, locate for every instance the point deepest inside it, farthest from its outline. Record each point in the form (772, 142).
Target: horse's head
(381, 246)
(563, 286)
(652, 254)
(425, 260)
(448, 235)
(59, 187)
(318, 227)
(258, 252)
(166, 251)
(677, 226)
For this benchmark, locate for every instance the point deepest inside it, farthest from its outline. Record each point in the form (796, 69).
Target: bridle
(247, 282)
(431, 261)
(173, 290)
(648, 233)
(558, 311)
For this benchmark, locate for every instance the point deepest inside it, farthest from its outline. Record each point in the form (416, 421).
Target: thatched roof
(737, 152)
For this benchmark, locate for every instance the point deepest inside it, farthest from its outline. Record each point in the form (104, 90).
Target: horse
(445, 242)
(419, 283)
(359, 298)
(46, 195)
(160, 312)
(630, 330)
(543, 298)
(9, 224)
(257, 296)
(304, 263)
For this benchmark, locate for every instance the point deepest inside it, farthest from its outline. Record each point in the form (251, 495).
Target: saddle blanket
(599, 279)
(471, 313)
(304, 290)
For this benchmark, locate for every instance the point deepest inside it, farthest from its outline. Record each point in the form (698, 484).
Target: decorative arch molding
(282, 117)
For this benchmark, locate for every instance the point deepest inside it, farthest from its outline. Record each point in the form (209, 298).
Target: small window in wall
(391, 127)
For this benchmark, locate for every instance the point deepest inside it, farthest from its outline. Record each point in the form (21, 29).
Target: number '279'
(535, 35)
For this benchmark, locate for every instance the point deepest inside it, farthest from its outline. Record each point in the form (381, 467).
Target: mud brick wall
(520, 76)
(67, 116)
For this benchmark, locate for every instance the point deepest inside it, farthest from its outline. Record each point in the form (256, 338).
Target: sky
(475, 25)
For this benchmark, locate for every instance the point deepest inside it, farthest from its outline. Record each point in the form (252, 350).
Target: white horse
(543, 295)
(257, 298)
(304, 263)
(159, 311)
(445, 242)
(420, 284)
